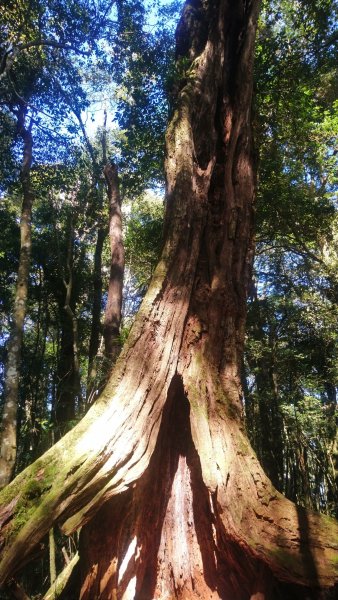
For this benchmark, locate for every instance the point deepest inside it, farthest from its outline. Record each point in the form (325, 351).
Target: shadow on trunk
(166, 536)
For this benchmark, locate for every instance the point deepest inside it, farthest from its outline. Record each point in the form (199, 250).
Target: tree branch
(53, 44)
(12, 52)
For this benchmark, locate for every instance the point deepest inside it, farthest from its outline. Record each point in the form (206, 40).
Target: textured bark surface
(8, 435)
(112, 317)
(173, 501)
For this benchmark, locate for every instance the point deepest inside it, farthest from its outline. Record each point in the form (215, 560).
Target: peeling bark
(171, 497)
(8, 435)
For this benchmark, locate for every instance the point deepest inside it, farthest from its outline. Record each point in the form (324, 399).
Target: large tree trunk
(172, 498)
(8, 435)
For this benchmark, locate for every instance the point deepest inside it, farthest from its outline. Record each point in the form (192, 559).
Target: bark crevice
(165, 534)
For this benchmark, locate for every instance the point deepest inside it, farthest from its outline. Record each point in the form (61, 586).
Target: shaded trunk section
(167, 529)
(263, 403)
(95, 333)
(112, 317)
(8, 436)
(69, 400)
(165, 536)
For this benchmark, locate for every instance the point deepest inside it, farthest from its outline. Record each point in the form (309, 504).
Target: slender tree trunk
(69, 396)
(160, 475)
(8, 436)
(56, 589)
(267, 423)
(52, 557)
(65, 402)
(270, 448)
(95, 333)
(112, 317)
(332, 416)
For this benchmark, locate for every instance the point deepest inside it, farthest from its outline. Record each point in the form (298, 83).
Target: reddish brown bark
(168, 529)
(191, 526)
(112, 317)
(160, 474)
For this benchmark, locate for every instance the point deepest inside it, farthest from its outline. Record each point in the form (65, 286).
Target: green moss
(226, 404)
(22, 514)
(198, 408)
(289, 561)
(37, 482)
(197, 400)
(329, 522)
(33, 489)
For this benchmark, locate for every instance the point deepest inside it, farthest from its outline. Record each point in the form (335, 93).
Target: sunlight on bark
(128, 555)
(129, 594)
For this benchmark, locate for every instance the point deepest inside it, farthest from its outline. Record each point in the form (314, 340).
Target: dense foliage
(291, 358)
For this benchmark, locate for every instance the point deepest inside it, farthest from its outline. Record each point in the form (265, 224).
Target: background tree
(8, 435)
(291, 351)
(42, 50)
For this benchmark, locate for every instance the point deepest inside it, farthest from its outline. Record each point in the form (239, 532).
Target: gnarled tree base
(165, 537)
